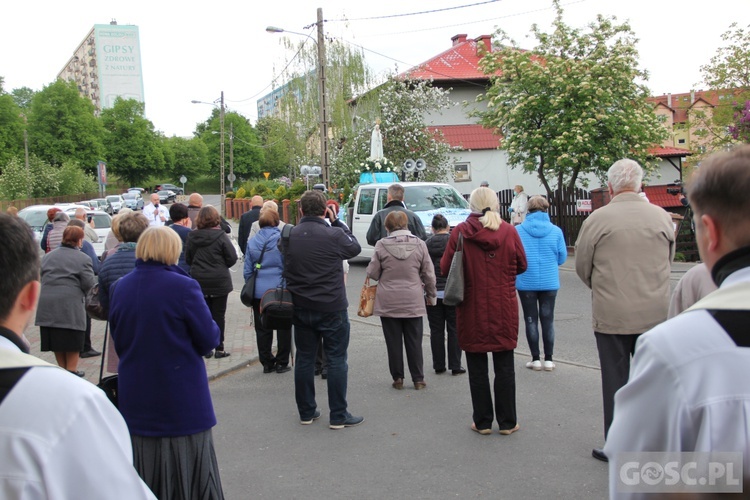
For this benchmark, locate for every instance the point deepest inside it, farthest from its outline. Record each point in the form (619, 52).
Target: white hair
(625, 175)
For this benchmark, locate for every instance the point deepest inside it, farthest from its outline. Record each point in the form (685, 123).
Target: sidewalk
(239, 341)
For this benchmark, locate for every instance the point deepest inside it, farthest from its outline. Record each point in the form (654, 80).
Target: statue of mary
(376, 143)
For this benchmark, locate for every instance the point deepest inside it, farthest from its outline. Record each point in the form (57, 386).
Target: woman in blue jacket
(537, 286)
(163, 385)
(269, 267)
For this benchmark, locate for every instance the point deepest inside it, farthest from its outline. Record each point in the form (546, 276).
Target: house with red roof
(478, 155)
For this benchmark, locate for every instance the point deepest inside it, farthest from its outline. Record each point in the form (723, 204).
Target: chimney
(487, 40)
(669, 100)
(692, 97)
(458, 39)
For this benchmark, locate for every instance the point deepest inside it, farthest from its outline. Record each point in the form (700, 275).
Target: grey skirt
(179, 468)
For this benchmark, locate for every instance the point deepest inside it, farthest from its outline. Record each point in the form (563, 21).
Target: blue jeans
(309, 327)
(539, 307)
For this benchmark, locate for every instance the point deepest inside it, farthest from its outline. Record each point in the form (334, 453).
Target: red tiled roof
(658, 196)
(460, 62)
(469, 136)
(668, 152)
(681, 103)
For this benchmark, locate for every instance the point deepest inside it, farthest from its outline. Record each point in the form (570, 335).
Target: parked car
(116, 202)
(102, 225)
(103, 205)
(36, 217)
(89, 204)
(133, 200)
(166, 196)
(140, 190)
(171, 187)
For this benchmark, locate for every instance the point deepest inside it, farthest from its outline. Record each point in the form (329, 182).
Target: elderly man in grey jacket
(624, 253)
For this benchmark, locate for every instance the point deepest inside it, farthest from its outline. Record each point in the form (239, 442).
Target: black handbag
(93, 307)
(108, 384)
(276, 308)
(248, 289)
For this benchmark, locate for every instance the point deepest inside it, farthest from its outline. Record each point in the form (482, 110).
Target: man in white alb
(156, 214)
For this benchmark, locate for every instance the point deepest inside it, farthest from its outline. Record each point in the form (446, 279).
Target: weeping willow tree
(347, 75)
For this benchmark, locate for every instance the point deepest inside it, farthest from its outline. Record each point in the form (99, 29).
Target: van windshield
(421, 198)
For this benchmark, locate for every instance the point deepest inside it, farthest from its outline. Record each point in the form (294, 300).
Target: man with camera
(314, 275)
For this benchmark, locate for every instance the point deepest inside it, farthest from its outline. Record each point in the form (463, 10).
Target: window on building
(680, 141)
(462, 172)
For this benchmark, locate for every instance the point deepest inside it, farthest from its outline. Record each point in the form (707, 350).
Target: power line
(390, 16)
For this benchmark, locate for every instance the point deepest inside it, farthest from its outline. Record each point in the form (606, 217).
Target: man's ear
(713, 231)
(29, 296)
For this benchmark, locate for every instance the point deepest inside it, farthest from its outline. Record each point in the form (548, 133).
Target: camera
(676, 188)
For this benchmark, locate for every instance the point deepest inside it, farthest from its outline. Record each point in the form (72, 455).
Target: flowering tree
(400, 105)
(571, 106)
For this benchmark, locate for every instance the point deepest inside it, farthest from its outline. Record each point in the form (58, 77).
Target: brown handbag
(367, 299)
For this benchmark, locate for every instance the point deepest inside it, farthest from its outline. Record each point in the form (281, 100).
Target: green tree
(571, 106)
(73, 180)
(39, 180)
(248, 151)
(728, 74)
(22, 97)
(188, 157)
(134, 151)
(283, 146)
(11, 128)
(400, 105)
(62, 127)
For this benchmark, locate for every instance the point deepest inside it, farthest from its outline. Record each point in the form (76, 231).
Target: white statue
(376, 143)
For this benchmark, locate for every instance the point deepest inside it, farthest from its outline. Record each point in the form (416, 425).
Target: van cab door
(369, 200)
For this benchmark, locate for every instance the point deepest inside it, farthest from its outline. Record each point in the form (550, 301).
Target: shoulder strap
(260, 259)
(460, 244)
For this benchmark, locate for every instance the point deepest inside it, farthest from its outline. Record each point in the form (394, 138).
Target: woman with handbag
(518, 206)
(210, 254)
(67, 275)
(264, 264)
(487, 318)
(163, 385)
(406, 279)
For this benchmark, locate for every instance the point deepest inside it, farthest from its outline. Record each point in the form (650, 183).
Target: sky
(194, 51)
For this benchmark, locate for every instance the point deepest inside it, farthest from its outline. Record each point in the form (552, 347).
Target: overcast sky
(193, 51)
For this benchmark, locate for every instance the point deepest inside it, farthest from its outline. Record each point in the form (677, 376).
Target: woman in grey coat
(406, 279)
(67, 274)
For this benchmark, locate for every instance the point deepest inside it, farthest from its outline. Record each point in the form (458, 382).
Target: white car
(36, 217)
(116, 202)
(102, 226)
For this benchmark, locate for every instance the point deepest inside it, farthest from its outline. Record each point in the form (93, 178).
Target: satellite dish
(304, 170)
(409, 165)
(315, 170)
(420, 164)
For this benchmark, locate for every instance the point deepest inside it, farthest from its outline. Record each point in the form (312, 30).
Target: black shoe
(460, 371)
(209, 355)
(283, 368)
(598, 454)
(441, 370)
(91, 353)
(221, 354)
(269, 368)
(78, 373)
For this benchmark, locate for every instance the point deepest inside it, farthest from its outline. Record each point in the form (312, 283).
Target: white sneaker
(535, 365)
(549, 366)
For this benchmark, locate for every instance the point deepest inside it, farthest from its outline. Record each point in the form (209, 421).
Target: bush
(230, 195)
(241, 193)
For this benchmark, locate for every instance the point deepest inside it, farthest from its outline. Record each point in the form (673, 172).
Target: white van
(423, 198)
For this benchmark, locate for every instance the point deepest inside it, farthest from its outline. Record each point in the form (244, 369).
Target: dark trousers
(539, 307)
(504, 388)
(442, 317)
(264, 338)
(217, 304)
(87, 337)
(309, 327)
(320, 358)
(615, 352)
(400, 333)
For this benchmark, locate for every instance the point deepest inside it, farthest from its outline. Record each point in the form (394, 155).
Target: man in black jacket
(395, 202)
(195, 203)
(246, 221)
(314, 274)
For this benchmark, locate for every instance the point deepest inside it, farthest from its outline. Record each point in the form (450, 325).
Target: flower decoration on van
(376, 165)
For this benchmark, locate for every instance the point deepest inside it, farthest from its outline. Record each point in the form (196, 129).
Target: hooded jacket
(545, 249)
(405, 273)
(272, 264)
(210, 254)
(487, 319)
(436, 247)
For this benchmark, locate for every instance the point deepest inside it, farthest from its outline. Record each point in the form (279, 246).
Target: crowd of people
(688, 372)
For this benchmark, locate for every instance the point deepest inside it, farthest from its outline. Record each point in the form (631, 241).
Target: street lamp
(221, 161)
(323, 97)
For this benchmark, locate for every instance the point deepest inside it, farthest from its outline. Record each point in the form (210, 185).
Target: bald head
(80, 213)
(154, 198)
(195, 200)
(256, 201)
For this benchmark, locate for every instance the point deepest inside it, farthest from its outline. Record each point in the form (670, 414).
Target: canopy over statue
(376, 143)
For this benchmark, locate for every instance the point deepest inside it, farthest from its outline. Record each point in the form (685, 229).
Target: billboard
(118, 55)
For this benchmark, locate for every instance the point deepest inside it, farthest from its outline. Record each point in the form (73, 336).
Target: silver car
(116, 202)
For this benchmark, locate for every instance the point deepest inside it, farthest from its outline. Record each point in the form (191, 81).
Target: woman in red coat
(487, 319)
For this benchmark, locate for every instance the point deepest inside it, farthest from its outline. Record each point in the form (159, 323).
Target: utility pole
(324, 159)
(231, 157)
(221, 185)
